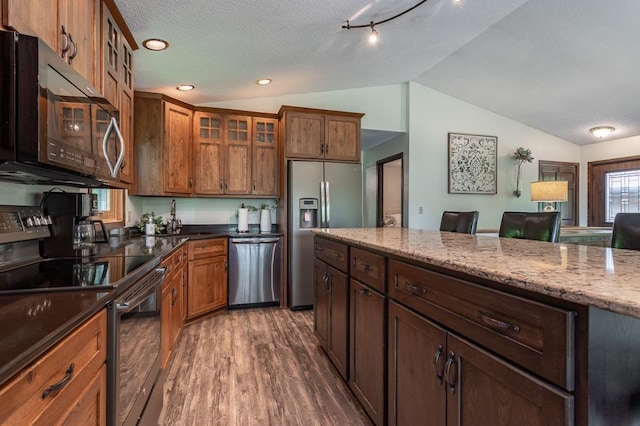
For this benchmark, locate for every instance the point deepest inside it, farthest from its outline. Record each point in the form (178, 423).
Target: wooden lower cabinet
(207, 276)
(331, 321)
(172, 303)
(367, 349)
(81, 398)
(438, 378)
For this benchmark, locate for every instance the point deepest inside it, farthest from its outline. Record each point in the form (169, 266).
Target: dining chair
(464, 222)
(542, 226)
(626, 231)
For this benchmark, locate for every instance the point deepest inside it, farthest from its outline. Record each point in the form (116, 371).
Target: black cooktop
(65, 274)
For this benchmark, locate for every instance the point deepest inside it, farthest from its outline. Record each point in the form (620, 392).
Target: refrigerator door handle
(323, 200)
(328, 204)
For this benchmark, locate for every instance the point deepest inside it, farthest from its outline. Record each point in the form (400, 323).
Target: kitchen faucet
(174, 223)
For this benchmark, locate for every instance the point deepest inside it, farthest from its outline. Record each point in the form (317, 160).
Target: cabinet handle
(326, 148)
(322, 148)
(226, 184)
(75, 49)
(226, 266)
(416, 289)
(366, 267)
(319, 248)
(437, 363)
(337, 255)
(190, 183)
(62, 383)
(451, 362)
(221, 187)
(67, 45)
(492, 322)
(364, 292)
(254, 185)
(174, 295)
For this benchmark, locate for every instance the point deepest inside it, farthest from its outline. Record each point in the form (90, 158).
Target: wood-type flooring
(259, 366)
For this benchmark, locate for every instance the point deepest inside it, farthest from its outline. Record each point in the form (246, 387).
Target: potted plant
(521, 155)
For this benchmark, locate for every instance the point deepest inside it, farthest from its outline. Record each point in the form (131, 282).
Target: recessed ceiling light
(185, 87)
(602, 131)
(155, 44)
(264, 81)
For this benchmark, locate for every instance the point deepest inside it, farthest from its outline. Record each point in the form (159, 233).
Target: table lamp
(551, 191)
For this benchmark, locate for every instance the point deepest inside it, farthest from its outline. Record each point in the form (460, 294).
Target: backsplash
(193, 211)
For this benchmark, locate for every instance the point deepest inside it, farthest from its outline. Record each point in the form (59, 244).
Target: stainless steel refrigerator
(337, 189)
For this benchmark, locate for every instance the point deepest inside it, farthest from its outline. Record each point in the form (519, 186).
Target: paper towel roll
(265, 221)
(243, 220)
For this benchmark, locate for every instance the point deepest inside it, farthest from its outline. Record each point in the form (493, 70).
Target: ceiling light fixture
(155, 44)
(602, 131)
(374, 36)
(186, 87)
(263, 81)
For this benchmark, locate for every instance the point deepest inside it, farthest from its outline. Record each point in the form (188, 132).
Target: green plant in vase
(521, 155)
(144, 219)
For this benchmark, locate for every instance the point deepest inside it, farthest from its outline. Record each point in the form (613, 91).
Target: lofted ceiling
(560, 66)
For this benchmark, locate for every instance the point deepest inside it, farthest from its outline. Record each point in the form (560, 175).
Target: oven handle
(141, 290)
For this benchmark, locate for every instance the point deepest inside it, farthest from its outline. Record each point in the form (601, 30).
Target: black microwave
(54, 126)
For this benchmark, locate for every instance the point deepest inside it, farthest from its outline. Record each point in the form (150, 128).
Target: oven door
(133, 344)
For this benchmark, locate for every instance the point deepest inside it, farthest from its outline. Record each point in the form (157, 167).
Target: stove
(69, 274)
(24, 270)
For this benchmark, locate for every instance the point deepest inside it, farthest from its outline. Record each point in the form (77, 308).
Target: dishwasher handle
(254, 240)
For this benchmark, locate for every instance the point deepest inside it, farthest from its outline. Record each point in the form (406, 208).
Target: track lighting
(374, 36)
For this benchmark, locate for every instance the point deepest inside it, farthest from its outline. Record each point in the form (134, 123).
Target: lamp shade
(550, 191)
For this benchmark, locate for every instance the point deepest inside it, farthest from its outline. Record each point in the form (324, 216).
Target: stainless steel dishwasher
(254, 271)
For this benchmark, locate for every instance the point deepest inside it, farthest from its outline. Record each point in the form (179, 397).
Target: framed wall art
(473, 164)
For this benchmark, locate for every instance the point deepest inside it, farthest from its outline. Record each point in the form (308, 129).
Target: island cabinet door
(321, 303)
(367, 349)
(484, 389)
(332, 314)
(416, 361)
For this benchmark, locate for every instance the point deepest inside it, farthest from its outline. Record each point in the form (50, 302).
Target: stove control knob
(28, 222)
(47, 220)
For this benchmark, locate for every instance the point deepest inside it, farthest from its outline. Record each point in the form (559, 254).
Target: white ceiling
(561, 66)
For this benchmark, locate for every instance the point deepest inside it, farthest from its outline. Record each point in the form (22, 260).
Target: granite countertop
(594, 276)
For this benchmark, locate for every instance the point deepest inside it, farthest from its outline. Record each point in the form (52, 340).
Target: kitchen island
(560, 318)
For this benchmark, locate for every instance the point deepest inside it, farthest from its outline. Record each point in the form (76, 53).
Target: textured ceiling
(561, 66)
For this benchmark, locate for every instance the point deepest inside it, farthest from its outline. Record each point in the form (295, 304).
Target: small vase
(265, 221)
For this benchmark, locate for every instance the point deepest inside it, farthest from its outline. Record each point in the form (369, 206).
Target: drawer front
(536, 336)
(25, 399)
(368, 268)
(207, 248)
(173, 262)
(333, 253)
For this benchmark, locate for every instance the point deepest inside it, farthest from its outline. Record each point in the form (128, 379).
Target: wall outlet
(420, 210)
(129, 216)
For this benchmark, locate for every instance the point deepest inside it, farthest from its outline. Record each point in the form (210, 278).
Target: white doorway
(389, 212)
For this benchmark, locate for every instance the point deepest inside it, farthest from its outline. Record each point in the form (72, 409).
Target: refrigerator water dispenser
(308, 213)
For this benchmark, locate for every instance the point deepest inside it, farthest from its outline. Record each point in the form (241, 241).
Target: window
(622, 193)
(110, 206)
(614, 187)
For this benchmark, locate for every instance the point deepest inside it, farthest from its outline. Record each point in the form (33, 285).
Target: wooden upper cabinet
(321, 134)
(177, 149)
(76, 43)
(265, 157)
(163, 135)
(238, 130)
(80, 19)
(304, 135)
(33, 17)
(342, 139)
(111, 56)
(208, 138)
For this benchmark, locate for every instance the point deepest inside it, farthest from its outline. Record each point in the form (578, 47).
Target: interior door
(554, 170)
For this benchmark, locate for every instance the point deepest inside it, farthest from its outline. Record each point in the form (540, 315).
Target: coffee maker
(72, 232)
